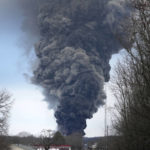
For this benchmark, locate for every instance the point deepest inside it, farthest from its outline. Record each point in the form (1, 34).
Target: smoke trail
(76, 44)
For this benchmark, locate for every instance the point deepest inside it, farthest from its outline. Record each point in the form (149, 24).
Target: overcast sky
(29, 112)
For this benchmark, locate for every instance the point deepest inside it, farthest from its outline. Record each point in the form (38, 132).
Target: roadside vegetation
(131, 83)
(5, 105)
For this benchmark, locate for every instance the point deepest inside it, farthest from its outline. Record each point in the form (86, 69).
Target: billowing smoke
(77, 40)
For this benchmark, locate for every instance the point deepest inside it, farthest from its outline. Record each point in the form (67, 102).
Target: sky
(29, 112)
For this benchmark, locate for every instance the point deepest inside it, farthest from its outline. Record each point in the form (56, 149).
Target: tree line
(131, 83)
(47, 139)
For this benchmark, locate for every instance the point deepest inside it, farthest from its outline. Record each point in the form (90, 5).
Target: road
(13, 147)
(21, 147)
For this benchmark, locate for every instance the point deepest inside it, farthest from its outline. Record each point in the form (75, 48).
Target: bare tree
(5, 104)
(131, 84)
(46, 138)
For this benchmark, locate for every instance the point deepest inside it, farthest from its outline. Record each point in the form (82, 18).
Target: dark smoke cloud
(76, 43)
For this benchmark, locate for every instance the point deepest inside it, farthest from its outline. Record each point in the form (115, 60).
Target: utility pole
(106, 127)
(105, 122)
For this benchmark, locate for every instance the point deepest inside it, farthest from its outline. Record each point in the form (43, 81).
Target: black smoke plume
(77, 40)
